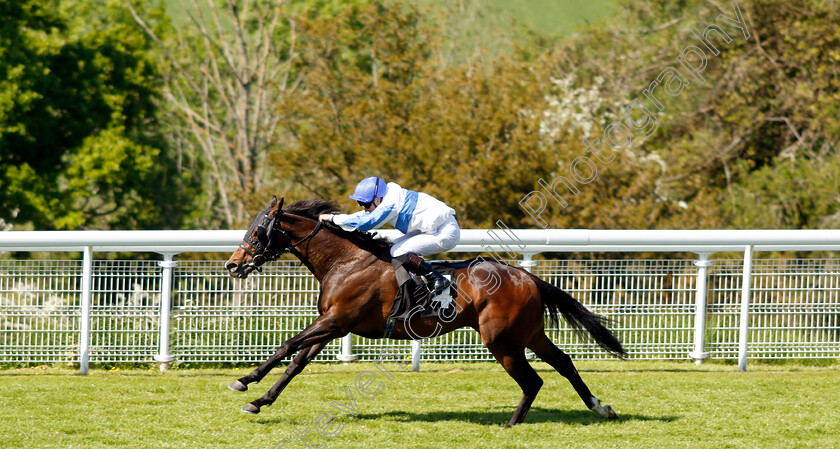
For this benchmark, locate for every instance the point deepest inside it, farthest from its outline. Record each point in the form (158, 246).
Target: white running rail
(153, 320)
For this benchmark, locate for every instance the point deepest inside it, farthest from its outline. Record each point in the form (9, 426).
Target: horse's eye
(261, 234)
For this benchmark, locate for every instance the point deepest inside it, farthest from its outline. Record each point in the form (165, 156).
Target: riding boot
(415, 263)
(440, 282)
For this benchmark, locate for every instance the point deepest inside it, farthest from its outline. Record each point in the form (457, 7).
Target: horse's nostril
(231, 266)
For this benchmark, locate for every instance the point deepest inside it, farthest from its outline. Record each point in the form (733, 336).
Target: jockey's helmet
(369, 189)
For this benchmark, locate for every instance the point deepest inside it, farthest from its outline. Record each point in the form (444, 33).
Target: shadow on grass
(499, 418)
(535, 415)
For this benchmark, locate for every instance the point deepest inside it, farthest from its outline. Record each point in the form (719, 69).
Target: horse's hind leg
(559, 360)
(529, 381)
(298, 363)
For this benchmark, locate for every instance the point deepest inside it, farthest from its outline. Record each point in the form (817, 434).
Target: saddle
(417, 291)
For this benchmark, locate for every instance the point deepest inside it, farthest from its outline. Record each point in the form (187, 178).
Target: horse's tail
(555, 300)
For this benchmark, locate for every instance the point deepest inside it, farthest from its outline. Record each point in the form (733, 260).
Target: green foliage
(754, 145)
(78, 95)
(788, 194)
(480, 134)
(455, 100)
(108, 173)
(376, 102)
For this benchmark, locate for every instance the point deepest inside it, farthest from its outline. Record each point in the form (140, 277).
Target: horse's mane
(314, 208)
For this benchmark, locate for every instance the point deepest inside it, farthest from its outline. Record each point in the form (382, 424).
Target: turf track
(662, 405)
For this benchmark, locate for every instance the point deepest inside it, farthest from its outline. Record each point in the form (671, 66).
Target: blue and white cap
(370, 189)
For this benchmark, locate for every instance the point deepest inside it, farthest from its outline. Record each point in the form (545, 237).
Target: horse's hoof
(604, 410)
(238, 386)
(250, 409)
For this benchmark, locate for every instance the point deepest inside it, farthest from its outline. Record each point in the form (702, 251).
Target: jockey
(429, 225)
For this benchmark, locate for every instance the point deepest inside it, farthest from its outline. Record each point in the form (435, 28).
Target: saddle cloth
(416, 290)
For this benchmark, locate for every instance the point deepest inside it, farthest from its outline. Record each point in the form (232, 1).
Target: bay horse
(358, 287)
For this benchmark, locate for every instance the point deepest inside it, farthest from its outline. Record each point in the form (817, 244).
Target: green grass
(552, 17)
(661, 405)
(486, 27)
(556, 17)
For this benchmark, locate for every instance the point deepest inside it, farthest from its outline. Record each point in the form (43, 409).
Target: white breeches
(445, 238)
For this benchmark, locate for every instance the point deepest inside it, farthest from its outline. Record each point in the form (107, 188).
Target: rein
(258, 258)
(311, 234)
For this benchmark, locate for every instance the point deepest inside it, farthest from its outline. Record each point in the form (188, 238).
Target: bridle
(265, 246)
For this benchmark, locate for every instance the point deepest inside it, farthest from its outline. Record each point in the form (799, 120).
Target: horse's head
(263, 242)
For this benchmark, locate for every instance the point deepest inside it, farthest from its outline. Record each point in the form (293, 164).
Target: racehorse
(358, 287)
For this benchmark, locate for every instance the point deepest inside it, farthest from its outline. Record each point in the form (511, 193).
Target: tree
(375, 101)
(727, 152)
(224, 78)
(76, 150)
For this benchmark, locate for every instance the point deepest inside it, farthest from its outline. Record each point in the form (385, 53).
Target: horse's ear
(274, 205)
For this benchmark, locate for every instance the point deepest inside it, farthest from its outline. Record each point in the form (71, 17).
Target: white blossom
(575, 108)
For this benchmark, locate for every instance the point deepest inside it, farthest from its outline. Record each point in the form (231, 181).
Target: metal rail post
(347, 355)
(699, 352)
(527, 263)
(163, 357)
(415, 355)
(84, 337)
(746, 285)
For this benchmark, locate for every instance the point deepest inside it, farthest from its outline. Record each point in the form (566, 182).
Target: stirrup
(441, 284)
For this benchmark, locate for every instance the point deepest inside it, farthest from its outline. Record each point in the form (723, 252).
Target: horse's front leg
(322, 330)
(298, 363)
(257, 374)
